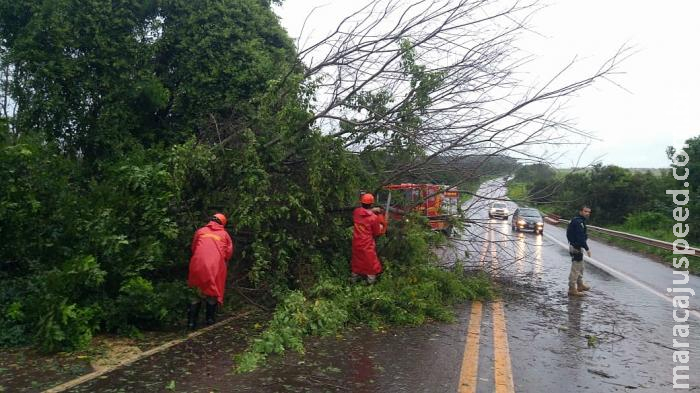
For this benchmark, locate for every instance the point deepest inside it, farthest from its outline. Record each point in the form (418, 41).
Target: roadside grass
(661, 255)
(660, 229)
(517, 192)
(658, 234)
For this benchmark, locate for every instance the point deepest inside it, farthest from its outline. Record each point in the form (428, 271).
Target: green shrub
(64, 305)
(138, 303)
(64, 326)
(13, 325)
(142, 304)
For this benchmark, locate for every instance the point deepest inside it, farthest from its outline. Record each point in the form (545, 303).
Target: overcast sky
(659, 104)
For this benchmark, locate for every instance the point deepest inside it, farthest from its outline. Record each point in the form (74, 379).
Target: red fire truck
(437, 202)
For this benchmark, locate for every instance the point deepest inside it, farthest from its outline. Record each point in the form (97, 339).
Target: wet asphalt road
(617, 339)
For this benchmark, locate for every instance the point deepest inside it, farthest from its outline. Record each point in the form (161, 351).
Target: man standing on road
(369, 223)
(212, 248)
(577, 236)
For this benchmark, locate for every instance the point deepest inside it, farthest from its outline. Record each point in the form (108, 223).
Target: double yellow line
(503, 374)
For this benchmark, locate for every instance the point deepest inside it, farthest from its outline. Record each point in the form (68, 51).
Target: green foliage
(517, 192)
(13, 325)
(141, 304)
(77, 241)
(99, 77)
(654, 225)
(64, 326)
(650, 222)
(539, 181)
(534, 173)
(135, 216)
(627, 200)
(591, 340)
(411, 291)
(218, 57)
(79, 68)
(65, 318)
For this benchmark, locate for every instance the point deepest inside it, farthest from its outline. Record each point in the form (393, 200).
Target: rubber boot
(211, 314)
(582, 287)
(192, 315)
(574, 292)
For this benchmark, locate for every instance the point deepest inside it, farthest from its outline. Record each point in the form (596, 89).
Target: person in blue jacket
(577, 236)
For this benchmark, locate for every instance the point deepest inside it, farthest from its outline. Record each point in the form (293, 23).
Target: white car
(499, 209)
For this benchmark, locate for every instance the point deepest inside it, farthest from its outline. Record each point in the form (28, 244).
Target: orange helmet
(367, 199)
(222, 218)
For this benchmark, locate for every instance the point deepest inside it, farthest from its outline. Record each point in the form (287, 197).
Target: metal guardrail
(554, 219)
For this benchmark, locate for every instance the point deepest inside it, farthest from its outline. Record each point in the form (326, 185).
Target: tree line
(633, 199)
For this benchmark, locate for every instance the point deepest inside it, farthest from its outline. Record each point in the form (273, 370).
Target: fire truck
(436, 202)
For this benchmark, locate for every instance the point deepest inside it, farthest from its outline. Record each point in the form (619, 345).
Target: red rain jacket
(364, 254)
(212, 247)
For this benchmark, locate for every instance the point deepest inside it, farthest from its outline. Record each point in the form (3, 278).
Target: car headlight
(521, 222)
(539, 224)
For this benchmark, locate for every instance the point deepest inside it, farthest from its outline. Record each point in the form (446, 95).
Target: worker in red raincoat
(368, 225)
(212, 248)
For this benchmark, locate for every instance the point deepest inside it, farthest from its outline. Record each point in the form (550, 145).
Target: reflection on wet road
(618, 338)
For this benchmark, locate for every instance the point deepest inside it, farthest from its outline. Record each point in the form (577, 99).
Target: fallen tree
(119, 142)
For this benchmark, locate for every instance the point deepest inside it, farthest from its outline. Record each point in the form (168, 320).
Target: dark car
(526, 218)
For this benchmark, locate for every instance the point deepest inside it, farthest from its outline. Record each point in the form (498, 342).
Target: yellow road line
(470, 359)
(503, 374)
